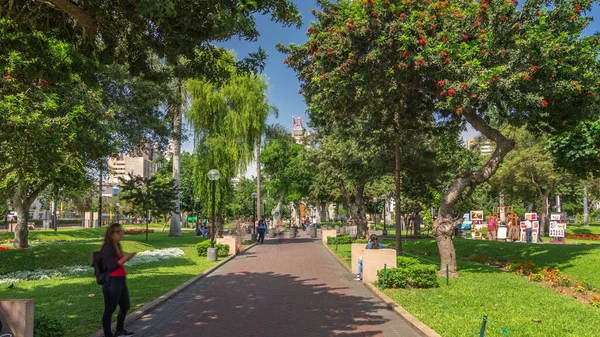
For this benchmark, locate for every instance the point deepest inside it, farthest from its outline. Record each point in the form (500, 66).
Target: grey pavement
(284, 287)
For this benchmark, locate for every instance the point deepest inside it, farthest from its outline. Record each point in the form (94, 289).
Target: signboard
(297, 123)
(476, 216)
(531, 216)
(502, 232)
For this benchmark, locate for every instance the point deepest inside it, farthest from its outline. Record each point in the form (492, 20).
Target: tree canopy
(485, 63)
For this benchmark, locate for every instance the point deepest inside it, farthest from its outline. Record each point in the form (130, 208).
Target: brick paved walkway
(285, 287)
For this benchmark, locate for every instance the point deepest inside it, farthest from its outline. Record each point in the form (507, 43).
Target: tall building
(123, 165)
(481, 144)
(299, 132)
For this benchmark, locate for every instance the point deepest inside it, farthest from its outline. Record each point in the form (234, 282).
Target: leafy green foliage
(340, 240)
(47, 326)
(202, 248)
(410, 276)
(405, 261)
(228, 119)
(131, 32)
(155, 195)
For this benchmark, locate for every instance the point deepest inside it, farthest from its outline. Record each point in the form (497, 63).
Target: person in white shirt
(314, 221)
(528, 230)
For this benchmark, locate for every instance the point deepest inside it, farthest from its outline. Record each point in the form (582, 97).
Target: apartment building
(123, 165)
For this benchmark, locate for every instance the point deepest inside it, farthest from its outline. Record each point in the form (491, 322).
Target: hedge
(222, 249)
(412, 276)
(340, 240)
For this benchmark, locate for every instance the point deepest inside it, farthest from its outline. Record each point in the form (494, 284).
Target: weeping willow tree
(227, 120)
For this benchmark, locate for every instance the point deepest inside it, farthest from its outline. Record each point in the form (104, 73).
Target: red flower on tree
(420, 63)
(441, 83)
(447, 60)
(544, 103)
(422, 42)
(405, 54)
(443, 53)
(451, 92)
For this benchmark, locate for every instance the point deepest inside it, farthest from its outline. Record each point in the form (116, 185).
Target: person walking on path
(262, 228)
(373, 244)
(115, 289)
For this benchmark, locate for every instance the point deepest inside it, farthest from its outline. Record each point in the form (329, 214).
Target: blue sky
(284, 86)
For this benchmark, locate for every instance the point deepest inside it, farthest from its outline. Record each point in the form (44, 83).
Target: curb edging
(414, 322)
(134, 316)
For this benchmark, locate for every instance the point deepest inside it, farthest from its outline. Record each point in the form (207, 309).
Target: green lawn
(511, 302)
(67, 298)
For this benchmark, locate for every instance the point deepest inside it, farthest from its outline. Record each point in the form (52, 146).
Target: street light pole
(254, 195)
(213, 176)
(375, 209)
(384, 198)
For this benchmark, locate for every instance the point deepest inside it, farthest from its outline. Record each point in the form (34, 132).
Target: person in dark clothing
(115, 289)
(262, 228)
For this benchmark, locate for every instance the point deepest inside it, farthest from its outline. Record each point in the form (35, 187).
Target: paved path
(285, 287)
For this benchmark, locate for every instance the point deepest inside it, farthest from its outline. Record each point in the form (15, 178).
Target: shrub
(423, 276)
(46, 326)
(405, 261)
(365, 241)
(538, 277)
(202, 248)
(340, 240)
(414, 276)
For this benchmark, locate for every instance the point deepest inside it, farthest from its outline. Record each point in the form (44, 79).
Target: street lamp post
(384, 198)
(254, 195)
(213, 176)
(117, 205)
(375, 209)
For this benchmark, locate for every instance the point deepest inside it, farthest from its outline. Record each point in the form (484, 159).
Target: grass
(77, 300)
(511, 302)
(572, 260)
(592, 229)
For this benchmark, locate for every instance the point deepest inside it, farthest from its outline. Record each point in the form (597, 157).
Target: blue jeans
(115, 293)
(528, 235)
(261, 235)
(360, 267)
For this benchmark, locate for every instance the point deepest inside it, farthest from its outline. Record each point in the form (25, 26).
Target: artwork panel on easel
(476, 215)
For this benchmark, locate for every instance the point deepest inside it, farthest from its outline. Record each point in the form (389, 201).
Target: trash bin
(272, 232)
(313, 232)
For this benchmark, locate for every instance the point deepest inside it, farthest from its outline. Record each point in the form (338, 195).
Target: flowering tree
(485, 63)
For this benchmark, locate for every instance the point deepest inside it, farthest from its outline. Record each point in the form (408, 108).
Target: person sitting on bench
(373, 244)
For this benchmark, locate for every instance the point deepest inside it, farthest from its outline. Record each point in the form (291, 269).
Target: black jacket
(108, 254)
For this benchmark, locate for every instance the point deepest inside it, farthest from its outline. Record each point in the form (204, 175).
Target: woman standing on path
(114, 288)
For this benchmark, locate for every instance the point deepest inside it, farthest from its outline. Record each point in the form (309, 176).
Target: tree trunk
(445, 223)
(356, 207)
(586, 214)
(277, 211)
(175, 229)
(258, 183)
(398, 195)
(321, 211)
(22, 200)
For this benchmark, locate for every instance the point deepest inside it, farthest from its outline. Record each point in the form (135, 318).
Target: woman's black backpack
(98, 268)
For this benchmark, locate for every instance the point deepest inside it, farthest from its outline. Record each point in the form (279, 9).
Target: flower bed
(40, 274)
(551, 278)
(583, 237)
(133, 231)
